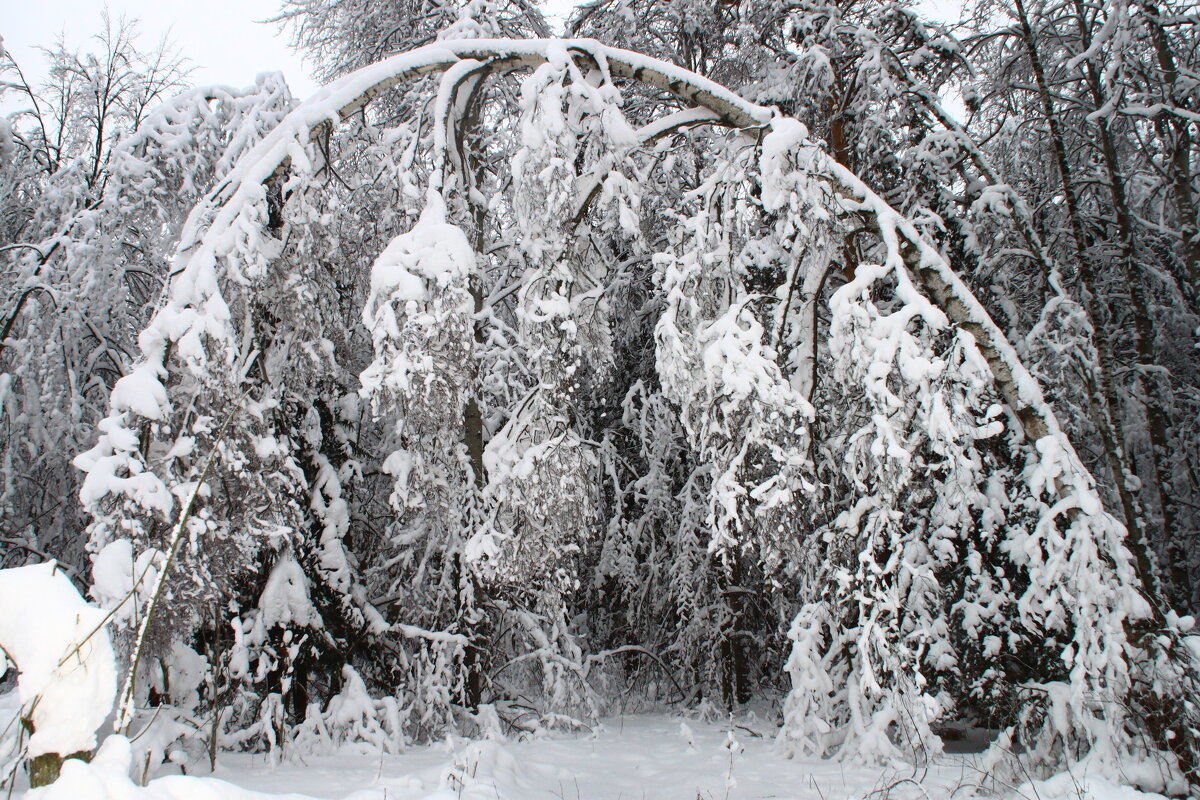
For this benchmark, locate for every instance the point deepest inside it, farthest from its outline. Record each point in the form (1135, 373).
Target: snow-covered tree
(77, 277)
(954, 519)
(510, 379)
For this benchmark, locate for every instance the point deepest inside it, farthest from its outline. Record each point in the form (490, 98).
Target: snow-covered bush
(66, 672)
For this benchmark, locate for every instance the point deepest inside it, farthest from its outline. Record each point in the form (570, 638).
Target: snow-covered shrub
(66, 672)
(353, 721)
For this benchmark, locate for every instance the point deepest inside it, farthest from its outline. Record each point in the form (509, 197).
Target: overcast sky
(226, 41)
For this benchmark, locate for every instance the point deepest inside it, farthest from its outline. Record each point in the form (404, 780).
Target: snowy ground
(654, 756)
(648, 757)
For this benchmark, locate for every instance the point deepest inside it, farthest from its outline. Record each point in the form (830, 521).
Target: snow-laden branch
(212, 225)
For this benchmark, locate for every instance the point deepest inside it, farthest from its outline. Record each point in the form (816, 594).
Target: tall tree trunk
(1102, 394)
(1157, 417)
(1177, 139)
(734, 668)
(471, 592)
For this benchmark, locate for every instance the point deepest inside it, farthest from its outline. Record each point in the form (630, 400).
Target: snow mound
(57, 641)
(107, 778)
(1066, 786)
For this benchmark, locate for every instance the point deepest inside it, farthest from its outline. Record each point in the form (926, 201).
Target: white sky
(944, 10)
(226, 41)
(223, 39)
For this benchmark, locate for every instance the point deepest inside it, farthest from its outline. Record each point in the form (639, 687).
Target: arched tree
(957, 521)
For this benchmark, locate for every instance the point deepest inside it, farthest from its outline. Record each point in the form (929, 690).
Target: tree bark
(1157, 417)
(1102, 395)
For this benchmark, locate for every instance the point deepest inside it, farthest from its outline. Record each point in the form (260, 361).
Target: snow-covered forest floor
(651, 756)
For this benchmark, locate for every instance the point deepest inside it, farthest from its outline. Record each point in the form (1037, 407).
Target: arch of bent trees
(261, 178)
(266, 166)
(269, 161)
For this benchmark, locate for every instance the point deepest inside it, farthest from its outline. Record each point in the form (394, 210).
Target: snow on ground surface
(656, 757)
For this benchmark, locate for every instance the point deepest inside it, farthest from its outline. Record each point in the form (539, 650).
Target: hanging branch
(125, 707)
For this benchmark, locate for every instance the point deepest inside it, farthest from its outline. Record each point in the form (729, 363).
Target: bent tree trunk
(1063, 485)
(270, 160)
